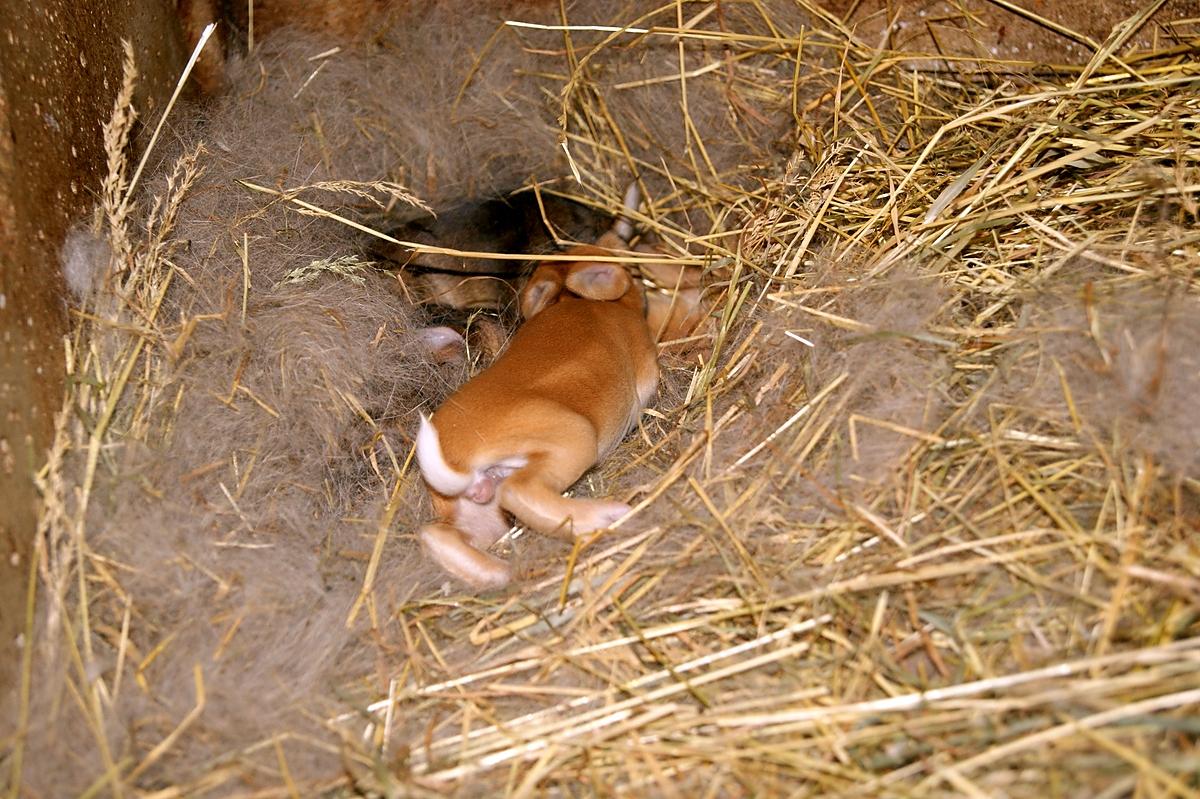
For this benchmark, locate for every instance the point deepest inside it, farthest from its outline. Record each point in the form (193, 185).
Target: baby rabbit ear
(611, 240)
(599, 281)
(545, 284)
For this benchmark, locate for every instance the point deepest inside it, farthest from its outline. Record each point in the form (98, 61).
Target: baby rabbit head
(594, 280)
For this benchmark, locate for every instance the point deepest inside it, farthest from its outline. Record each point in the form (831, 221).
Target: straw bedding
(917, 520)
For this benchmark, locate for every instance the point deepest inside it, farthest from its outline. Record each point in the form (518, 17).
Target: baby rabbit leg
(459, 539)
(483, 524)
(453, 552)
(533, 495)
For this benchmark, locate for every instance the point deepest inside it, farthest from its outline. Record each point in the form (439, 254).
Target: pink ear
(543, 287)
(599, 281)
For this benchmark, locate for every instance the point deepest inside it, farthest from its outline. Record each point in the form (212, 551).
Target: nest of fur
(918, 520)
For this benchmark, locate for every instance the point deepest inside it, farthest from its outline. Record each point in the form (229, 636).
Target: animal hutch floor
(916, 519)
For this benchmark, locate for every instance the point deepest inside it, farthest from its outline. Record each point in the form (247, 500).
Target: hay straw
(921, 522)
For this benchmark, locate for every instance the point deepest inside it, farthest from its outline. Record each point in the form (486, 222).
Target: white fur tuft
(439, 474)
(85, 259)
